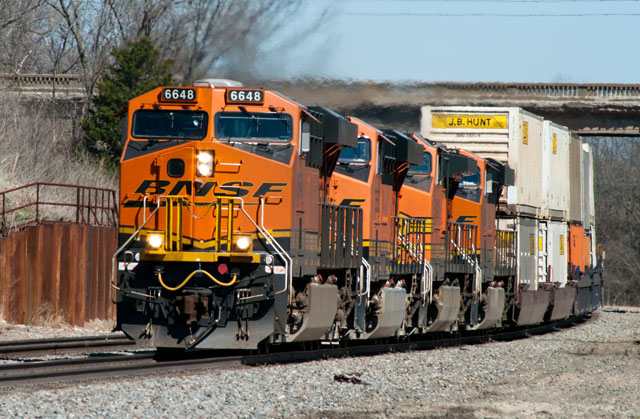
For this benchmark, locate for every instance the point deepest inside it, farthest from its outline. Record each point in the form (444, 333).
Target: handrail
(427, 269)
(427, 275)
(114, 259)
(270, 240)
(281, 252)
(93, 205)
(367, 268)
(261, 229)
(417, 253)
(473, 263)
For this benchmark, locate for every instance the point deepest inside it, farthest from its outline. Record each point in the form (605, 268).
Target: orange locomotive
(220, 206)
(424, 208)
(462, 211)
(488, 284)
(369, 176)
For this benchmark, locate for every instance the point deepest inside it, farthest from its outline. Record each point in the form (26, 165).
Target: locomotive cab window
(469, 181)
(250, 126)
(469, 186)
(170, 124)
(360, 154)
(422, 170)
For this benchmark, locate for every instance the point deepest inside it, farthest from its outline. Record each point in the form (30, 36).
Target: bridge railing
(546, 90)
(41, 80)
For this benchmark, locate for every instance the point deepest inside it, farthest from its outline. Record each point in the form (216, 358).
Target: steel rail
(49, 345)
(361, 348)
(65, 371)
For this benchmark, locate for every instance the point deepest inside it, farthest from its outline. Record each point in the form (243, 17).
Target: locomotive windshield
(170, 124)
(249, 126)
(360, 154)
(424, 168)
(469, 186)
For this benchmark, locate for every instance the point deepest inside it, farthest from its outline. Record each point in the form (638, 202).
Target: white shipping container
(509, 135)
(555, 172)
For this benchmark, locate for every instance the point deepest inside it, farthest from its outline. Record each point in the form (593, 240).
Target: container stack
(554, 213)
(550, 205)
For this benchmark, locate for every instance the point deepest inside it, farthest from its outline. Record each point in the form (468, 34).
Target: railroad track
(30, 347)
(65, 371)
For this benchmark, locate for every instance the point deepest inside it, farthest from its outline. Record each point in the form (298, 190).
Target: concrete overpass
(588, 109)
(44, 86)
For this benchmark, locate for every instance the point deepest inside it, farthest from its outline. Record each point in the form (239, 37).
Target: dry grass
(46, 316)
(39, 143)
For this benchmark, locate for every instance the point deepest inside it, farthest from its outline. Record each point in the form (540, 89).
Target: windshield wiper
(351, 167)
(150, 142)
(281, 146)
(250, 115)
(419, 179)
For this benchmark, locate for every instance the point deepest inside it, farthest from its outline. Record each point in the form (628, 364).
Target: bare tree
(78, 36)
(200, 36)
(93, 29)
(203, 35)
(23, 25)
(617, 189)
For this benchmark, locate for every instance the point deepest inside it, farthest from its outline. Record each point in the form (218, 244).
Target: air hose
(213, 278)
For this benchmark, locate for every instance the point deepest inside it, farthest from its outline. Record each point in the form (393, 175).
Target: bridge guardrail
(565, 90)
(574, 90)
(41, 80)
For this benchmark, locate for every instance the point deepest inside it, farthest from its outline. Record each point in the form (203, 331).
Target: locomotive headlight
(205, 157)
(204, 170)
(242, 243)
(204, 165)
(155, 240)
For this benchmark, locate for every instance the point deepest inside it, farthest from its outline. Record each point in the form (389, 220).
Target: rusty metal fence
(40, 202)
(55, 253)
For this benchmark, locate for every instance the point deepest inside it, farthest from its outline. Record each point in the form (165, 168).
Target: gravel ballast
(592, 370)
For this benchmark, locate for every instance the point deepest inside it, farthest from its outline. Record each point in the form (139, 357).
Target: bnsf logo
(236, 188)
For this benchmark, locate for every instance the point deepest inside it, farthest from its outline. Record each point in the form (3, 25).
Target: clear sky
(464, 40)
